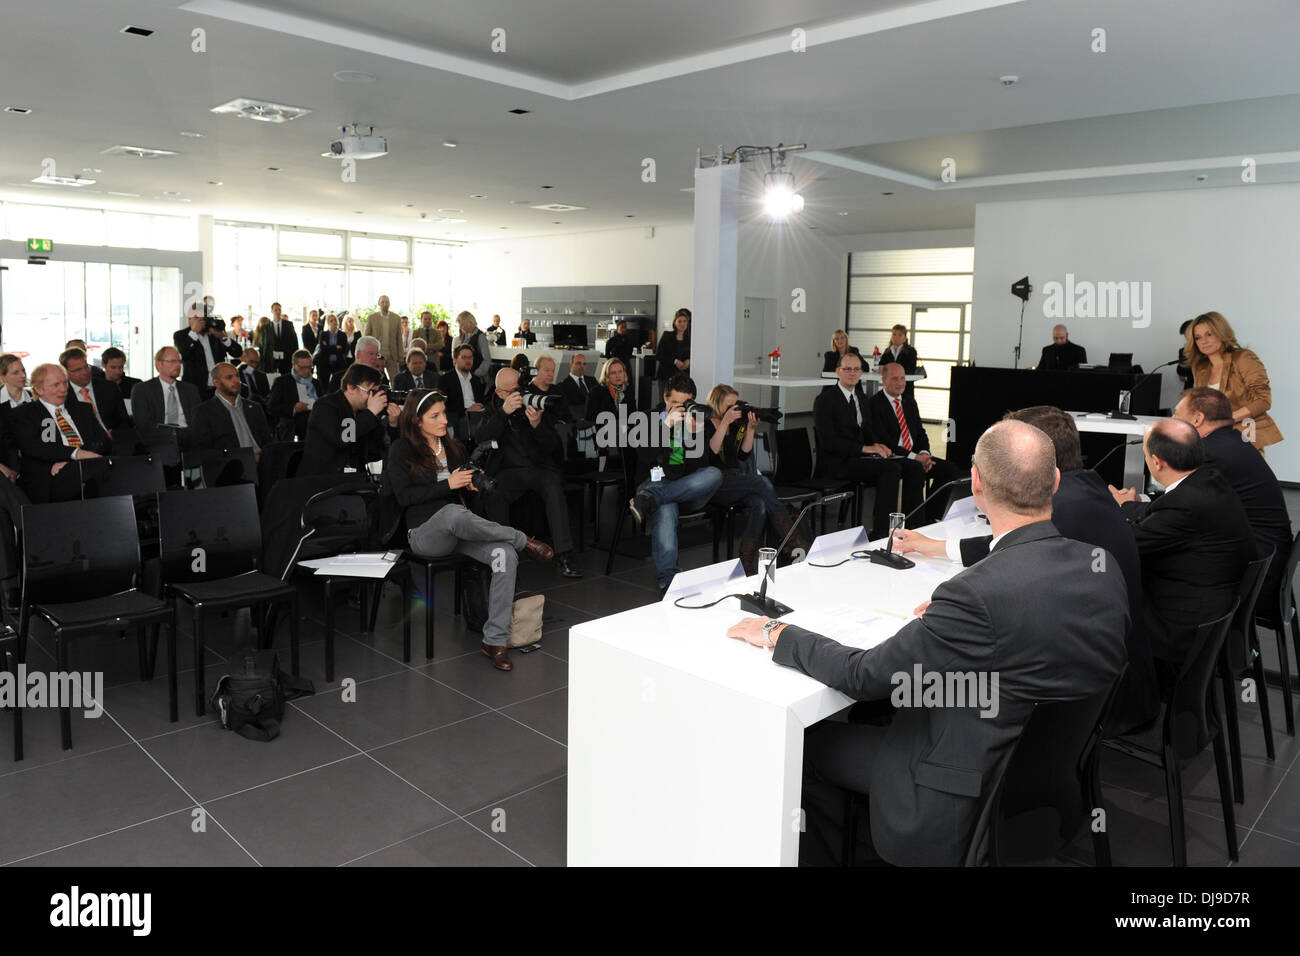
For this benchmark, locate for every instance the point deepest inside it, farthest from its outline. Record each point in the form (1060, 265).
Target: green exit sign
(40, 245)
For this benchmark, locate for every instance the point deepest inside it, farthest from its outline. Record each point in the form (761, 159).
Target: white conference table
(685, 745)
(1098, 423)
(779, 386)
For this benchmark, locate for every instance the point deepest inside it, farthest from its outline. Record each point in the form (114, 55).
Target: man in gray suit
(1039, 619)
(164, 402)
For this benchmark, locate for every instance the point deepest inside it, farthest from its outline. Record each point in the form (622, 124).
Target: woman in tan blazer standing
(1217, 360)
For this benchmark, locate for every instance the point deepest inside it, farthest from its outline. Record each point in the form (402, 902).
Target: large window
(243, 269)
(76, 226)
(929, 292)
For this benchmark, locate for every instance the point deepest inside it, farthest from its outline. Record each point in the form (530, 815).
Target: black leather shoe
(567, 568)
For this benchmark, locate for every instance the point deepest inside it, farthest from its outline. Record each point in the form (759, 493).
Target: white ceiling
(883, 92)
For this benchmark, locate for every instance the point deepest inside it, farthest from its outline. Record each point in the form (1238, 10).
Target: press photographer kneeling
(530, 457)
(426, 475)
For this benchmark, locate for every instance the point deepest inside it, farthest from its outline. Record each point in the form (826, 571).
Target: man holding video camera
(530, 458)
(203, 345)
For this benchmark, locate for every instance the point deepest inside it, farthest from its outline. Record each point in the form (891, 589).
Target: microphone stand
(897, 561)
(1021, 337)
(757, 602)
(1120, 414)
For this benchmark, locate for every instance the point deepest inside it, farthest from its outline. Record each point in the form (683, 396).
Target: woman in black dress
(674, 352)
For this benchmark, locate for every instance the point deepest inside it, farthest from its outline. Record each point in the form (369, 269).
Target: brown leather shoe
(498, 654)
(538, 550)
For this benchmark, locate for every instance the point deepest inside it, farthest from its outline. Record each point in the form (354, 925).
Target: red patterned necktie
(69, 433)
(86, 397)
(904, 436)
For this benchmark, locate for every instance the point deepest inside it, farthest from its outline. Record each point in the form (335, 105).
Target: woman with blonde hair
(839, 346)
(729, 437)
(13, 381)
(1218, 360)
(351, 334)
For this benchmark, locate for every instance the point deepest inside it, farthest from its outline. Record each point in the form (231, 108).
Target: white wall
(1232, 250)
(492, 275)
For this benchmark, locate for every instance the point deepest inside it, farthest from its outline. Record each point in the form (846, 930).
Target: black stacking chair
(140, 476)
(1277, 617)
(1240, 655)
(9, 665)
(226, 466)
(1192, 721)
(1051, 785)
(794, 469)
(766, 465)
(211, 544)
(81, 561)
(716, 515)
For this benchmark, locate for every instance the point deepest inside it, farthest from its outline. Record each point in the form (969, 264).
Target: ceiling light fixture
(450, 143)
(137, 31)
(780, 199)
(63, 181)
(20, 110)
(138, 152)
(477, 196)
(261, 110)
(215, 182)
(518, 112)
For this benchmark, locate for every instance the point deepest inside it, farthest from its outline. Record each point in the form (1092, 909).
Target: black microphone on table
(1135, 441)
(897, 561)
(757, 602)
(1120, 413)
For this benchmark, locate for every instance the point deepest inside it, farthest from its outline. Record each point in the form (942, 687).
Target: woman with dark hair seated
(425, 473)
(729, 436)
(521, 364)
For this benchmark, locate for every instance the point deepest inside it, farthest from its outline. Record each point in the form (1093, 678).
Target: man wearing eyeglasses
(346, 428)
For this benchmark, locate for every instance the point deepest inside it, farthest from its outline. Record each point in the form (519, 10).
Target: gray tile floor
(446, 762)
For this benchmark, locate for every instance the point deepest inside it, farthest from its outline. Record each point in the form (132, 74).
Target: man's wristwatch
(770, 630)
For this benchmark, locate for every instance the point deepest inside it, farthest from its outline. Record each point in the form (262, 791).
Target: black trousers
(838, 760)
(886, 474)
(514, 483)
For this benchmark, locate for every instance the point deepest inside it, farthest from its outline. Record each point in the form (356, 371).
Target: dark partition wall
(981, 396)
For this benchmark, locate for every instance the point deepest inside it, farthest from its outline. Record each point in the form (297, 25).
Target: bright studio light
(779, 196)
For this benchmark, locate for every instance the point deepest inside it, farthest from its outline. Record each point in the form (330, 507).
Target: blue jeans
(693, 491)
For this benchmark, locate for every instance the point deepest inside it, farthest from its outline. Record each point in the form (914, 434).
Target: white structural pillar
(715, 304)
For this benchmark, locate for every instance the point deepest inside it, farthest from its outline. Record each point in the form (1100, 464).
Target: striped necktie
(89, 399)
(904, 436)
(69, 433)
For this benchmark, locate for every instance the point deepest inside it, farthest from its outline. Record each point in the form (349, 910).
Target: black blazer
(125, 384)
(253, 384)
(602, 400)
(1084, 510)
(906, 358)
(620, 347)
(213, 429)
(1195, 543)
(1256, 487)
(194, 361)
(421, 496)
(108, 399)
(449, 384)
(529, 337)
(149, 411)
(286, 342)
(284, 395)
(575, 395)
(33, 425)
(309, 337)
(831, 359)
(1025, 613)
(331, 354)
(884, 423)
(328, 450)
(1059, 358)
(668, 352)
(405, 381)
(839, 439)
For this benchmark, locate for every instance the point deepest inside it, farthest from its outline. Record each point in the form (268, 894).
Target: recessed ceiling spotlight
(355, 76)
(628, 215)
(558, 207)
(503, 227)
(171, 192)
(273, 169)
(215, 182)
(546, 187)
(1009, 80)
(137, 31)
(358, 212)
(843, 213)
(1201, 177)
(263, 111)
(477, 196)
(450, 143)
(20, 110)
(191, 134)
(91, 169)
(63, 181)
(125, 195)
(451, 210)
(518, 112)
(138, 152)
(408, 205)
(887, 194)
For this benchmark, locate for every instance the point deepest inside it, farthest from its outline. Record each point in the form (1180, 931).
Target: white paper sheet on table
(366, 565)
(850, 625)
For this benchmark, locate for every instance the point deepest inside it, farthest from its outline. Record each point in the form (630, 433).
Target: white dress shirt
(206, 342)
(466, 387)
(8, 399)
(67, 417)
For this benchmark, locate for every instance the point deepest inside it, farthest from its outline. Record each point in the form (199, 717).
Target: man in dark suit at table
(417, 373)
(52, 432)
(165, 402)
(465, 391)
(101, 395)
(1032, 622)
(1062, 354)
(227, 419)
(292, 398)
(845, 440)
(1083, 510)
(896, 422)
(578, 385)
(1245, 470)
(1194, 540)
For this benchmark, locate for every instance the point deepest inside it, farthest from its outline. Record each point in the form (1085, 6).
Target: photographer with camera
(531, 458)
(672, 470)
(426, 476)
(729, 434)
(345, 429)
(203, 345)
(556, 407)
